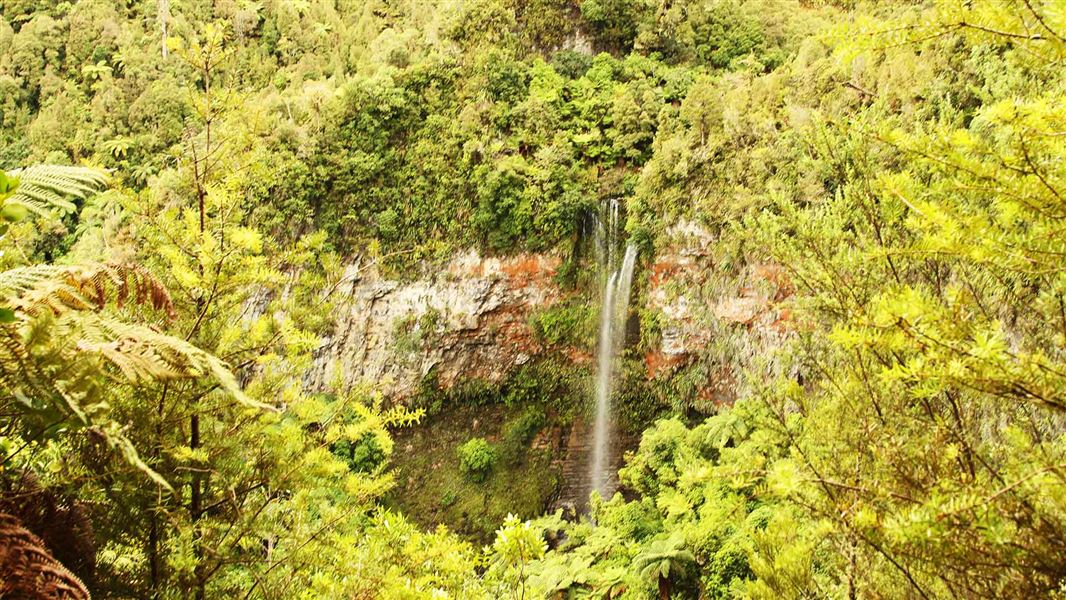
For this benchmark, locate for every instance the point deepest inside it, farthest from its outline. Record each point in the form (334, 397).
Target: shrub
(364, 455)
(566, 324)
(476, 458)
(388, 222)
(521, 431)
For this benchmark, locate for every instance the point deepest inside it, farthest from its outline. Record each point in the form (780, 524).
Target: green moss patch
(432, 489)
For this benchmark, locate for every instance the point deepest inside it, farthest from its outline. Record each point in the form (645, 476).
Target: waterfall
(615, 308)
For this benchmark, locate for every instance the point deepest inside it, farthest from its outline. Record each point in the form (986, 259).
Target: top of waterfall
(609, 231)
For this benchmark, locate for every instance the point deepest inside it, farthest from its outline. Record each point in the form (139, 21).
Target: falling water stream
(615, 307)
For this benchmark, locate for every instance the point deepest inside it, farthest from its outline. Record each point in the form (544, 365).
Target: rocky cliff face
(719, 316)
(470, 320)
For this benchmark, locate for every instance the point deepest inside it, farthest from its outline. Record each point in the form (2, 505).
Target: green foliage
(572, 323)
(663, 561)
(91, 360)
(616, 22)
(546, 24)
(913, 235)
(902, 163)
(411, 333)
(477, 457)
(549, 382)
(43, 189)
(58, 350)
(629, 520)
(414, 144)
(364, 455)
(432, 489)
(638, 405)
(516, 545)
(520, 432)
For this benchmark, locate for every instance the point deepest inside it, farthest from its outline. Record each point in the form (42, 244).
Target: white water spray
(613, 314)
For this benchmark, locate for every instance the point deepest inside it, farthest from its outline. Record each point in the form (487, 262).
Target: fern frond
(74, 294)
(60, 288)
(401, 416)
(30, 570)
(26, 377)
(44, 188)
(142, 354)
(61, 351)
(116, 439)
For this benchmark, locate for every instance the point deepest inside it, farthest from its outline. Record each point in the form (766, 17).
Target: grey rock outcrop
(724, 317)
(469, 320)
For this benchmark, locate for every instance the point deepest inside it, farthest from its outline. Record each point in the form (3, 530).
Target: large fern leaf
(142, 354)
(29, 569)
(75, 293)
(61, 354)
(60, 288)
(45, 188)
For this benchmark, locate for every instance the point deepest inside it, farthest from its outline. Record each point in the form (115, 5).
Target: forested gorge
(842, 373)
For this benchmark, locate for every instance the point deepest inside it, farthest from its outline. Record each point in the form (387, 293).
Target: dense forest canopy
(186, 184)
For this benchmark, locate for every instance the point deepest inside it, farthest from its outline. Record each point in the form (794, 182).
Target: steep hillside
(348, 299)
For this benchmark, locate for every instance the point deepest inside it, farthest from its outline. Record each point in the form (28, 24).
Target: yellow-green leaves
(785, 478)
(988, 345)
(8, 183)
(247, 239)
(12, 212)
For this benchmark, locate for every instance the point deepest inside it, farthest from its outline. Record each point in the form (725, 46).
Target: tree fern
(62, 356)
(661, 561)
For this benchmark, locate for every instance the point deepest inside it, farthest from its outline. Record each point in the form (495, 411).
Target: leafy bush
(476, 459)
(388, 224)
(654, 465)
(521, 431)
(570, 323)
(615, 22)
(634, 520)
(364, 455)
(571, 64)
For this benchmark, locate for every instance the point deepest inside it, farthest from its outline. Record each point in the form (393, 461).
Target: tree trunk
(195, 510)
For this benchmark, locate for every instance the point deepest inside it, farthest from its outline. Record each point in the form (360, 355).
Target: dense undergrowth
(902, 163)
